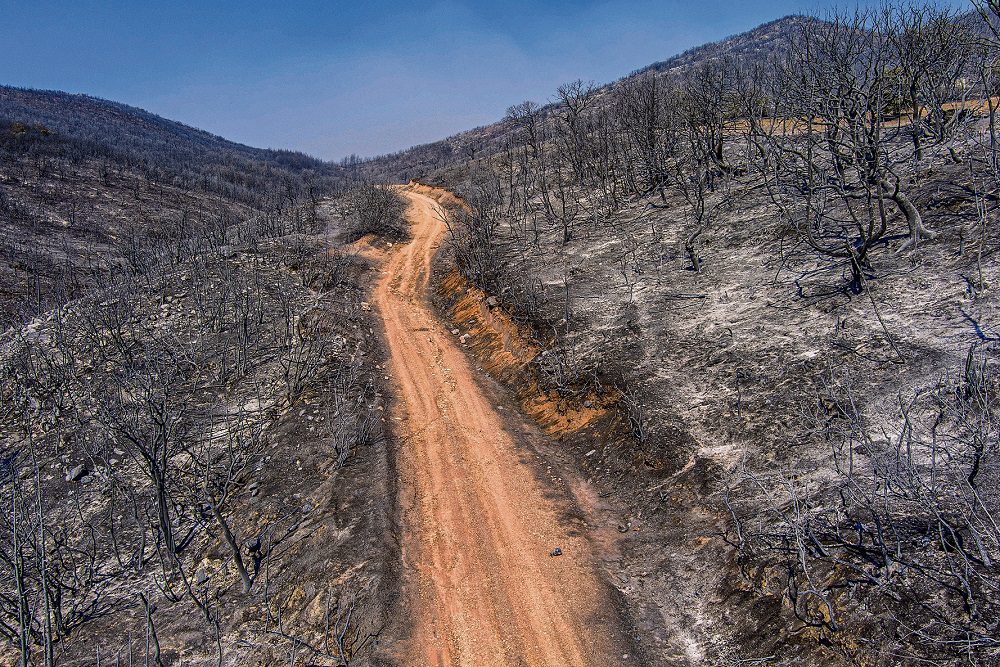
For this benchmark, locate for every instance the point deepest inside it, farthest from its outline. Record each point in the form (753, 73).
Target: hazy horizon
(333, 79)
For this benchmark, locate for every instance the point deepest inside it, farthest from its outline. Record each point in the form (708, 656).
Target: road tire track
(478, 529)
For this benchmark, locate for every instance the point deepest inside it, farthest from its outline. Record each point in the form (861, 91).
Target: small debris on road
(77, 473)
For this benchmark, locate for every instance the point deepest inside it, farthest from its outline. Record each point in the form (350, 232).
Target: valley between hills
(695, 367)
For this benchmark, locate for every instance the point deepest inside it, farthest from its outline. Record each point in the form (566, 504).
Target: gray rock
(77, 473)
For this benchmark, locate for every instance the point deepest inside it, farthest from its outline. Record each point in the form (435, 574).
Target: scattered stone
(464, 339)
(201, 577)
(454, 332)
(588, 404)
(556, 552)
(591, 452)
(492, 302)
(77, 473)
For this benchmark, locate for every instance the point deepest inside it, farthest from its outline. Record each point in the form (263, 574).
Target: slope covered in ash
(87, 186)
(796, 321)
(193, 457)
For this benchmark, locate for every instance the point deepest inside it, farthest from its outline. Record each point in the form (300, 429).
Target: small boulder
(556, 552)
(492, 302)
(77, 473)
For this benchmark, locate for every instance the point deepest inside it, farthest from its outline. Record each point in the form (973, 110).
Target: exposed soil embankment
(506, 350)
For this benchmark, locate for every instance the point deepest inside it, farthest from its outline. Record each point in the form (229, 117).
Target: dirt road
(478, 528)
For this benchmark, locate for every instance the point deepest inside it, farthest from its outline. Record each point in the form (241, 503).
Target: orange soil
(478, 526)
(505, 349)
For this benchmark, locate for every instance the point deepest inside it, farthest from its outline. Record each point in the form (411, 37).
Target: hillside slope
(87, 186)
(163, 150)
(194, 466)
(796, 323)
(421, 162)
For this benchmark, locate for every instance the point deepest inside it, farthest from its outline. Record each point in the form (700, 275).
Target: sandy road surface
(478, 529)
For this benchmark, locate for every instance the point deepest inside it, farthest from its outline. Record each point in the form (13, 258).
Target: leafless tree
(827, 141)
(911, 515)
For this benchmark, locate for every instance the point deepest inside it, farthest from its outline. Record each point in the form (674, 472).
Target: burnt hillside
(424, 160)
(89, 186)
(194, 463)
(89, 128)
(796, 319)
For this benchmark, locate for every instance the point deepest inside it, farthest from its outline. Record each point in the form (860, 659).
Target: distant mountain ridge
(76, 115)
(420, 161)
(764, 36)
(90, 127)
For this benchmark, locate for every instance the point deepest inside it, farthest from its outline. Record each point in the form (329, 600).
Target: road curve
(478, 528)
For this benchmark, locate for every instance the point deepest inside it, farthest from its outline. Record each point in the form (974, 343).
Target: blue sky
(333, 78)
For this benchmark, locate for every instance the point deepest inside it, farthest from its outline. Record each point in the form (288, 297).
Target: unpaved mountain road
(478, 528)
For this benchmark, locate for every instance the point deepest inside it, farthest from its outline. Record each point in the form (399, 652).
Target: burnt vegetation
(777, 254)
(774, 255)
(193, 463)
